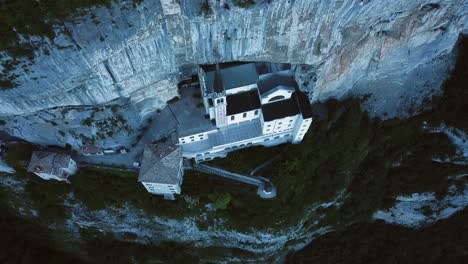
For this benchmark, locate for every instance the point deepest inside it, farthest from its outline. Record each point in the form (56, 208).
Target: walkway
(266, 189)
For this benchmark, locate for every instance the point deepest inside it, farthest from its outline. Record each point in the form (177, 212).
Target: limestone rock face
(397, 50)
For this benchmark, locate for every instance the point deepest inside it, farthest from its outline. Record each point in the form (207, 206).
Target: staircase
(266, 189)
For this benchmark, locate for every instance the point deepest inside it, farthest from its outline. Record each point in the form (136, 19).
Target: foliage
(87, 122)
(220, 200)
(206, 8)
(18, 155)
(244, 3)
(378, 242)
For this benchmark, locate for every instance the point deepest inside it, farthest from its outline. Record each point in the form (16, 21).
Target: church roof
(271, 82)
(242, 102)
(230, 75)
(304, 105)
(237, 74)
(280, 109)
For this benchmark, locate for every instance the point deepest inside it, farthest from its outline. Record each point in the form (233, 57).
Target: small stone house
(51, 165)
(89, 150)
(161, 170)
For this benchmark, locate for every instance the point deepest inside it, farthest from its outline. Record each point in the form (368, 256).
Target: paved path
(264, 164)
(266, 189)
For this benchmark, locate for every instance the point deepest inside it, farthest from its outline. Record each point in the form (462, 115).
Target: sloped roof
(268, 84)
(280, 109)
(304, 105)
(230, 75)
(48, 162)
(237, 74)
(242, 102)
(160, 164)
(90, 149)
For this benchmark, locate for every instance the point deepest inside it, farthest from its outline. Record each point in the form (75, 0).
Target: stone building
(243, 105)
(246, 104)
(51, 165)
(161, 169)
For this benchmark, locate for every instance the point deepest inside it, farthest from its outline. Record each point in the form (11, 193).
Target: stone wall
(399, 51)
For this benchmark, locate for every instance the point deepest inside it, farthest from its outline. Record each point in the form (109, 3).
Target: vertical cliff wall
(399, 51)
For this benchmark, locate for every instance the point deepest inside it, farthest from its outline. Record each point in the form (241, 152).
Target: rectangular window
(244, 115)
(232, 117)
(256, 112)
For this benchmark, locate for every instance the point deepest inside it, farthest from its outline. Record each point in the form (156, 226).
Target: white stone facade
(277, 116)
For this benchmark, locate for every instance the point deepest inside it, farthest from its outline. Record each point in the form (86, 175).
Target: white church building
(247, 104)
(244, 104)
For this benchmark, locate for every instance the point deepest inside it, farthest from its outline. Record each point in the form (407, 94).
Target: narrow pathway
(264, 164)
(266, 189)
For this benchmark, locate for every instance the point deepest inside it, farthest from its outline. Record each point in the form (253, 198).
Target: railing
(265, 189)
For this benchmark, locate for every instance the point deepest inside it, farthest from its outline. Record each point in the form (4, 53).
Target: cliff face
(390, 48)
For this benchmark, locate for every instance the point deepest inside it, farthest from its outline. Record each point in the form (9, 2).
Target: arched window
(276, 98)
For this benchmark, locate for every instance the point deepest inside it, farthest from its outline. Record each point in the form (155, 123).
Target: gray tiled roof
(231, 75)
(242, 102)
(238, 74)
(226, 135)
(280, 109)
(48, 162)
(274, 80)
(161, 162)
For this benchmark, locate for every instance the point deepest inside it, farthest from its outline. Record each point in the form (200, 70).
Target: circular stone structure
(266, 191)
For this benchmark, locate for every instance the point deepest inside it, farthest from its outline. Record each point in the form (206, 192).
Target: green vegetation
(220, 200)
(18, 155)
(206, 8)
(87, 121)
(382, 243)
(107, 127)
(2, 122)
(244, 3)
(345, 151)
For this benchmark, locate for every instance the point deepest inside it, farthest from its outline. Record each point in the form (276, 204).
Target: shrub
(87, 122)
(244, 3)
(220, 200)
(206, 8)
